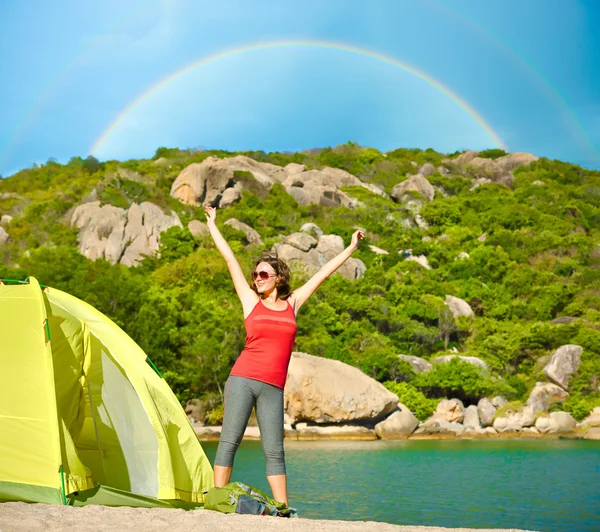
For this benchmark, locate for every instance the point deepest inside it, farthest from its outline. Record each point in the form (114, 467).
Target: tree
(91, 164)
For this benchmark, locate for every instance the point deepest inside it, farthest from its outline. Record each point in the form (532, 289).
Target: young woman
(258, 376)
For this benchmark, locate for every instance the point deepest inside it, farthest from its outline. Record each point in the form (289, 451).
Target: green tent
(84, 418)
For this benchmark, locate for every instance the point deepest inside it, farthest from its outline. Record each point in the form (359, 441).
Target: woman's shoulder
(293, 302)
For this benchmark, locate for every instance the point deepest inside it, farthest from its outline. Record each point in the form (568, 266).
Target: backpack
(237, 497)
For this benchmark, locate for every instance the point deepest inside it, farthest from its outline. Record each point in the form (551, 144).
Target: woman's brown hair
(281, 269)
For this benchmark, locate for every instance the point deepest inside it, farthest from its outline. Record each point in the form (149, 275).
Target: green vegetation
(421, 406)
(539, 260)
(492, 154)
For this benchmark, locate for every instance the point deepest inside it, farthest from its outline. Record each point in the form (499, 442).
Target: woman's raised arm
(304, 292)
(247, 296)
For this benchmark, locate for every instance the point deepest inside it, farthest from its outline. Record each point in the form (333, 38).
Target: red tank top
(270, 336)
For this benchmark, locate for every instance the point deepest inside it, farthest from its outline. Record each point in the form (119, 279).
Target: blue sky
(527, 71)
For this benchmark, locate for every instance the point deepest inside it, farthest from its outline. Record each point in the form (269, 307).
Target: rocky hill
(480, 275)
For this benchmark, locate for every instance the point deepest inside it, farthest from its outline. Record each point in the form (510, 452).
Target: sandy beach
(22, 517)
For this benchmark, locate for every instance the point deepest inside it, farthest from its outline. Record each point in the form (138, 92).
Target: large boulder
(592, 434)
(214, 182)
(328, 391)
(527, 416)
(515, 421)
(419, 365)
(301, 249)
(198, 228)
(266, 174)
(484, 168)
(119, 235)
(510, 423)
(564, 362)
(294, 168)
(306, 432)
(5, 219)
(498, 401)
(474, 361)
(203, 183)
(489, 170)
(556, 423)
(311, 228)
(496, 170)
(416, 183)
(593, 419)
(511, 161)
(251, 235)
(321, 188)
(301, 241)
(145, 222)
(329, 246)
(458, 307)
(545, 394)
(438, 428)
(101, 231)
(427, 169)
(486, 411)
(230, 196)
(465, 158)
(399, 425)
(451, 410)
(471, 417)
(310, 260)
(341, 178)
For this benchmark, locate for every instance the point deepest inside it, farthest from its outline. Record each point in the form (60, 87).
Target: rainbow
(526, 66)
(157, 87)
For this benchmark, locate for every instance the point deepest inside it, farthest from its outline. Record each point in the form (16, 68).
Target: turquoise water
(549, 485)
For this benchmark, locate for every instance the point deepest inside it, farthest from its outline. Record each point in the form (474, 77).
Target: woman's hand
(211, 215)
(358, 235)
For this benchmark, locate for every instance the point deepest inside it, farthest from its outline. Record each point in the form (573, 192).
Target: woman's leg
(239, 401)
(269, 414)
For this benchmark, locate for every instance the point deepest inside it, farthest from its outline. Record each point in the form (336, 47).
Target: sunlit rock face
(321, 390)
(563, 363)
(119, 235)
(214, 182)
(301, 250)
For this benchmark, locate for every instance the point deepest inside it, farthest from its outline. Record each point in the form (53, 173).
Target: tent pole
(153, 366)
(62, 478)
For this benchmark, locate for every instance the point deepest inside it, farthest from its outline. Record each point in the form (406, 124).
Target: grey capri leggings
(241, 394)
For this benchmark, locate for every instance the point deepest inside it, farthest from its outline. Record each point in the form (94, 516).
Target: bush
(461, 380)
(580, 407)
(91, 164)
(493, 153)
(175, 243)
(215, 416)
(413, 399)
(512, 407)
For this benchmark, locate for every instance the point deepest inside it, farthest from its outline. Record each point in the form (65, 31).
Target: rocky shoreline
(328, 400)
(349, 433)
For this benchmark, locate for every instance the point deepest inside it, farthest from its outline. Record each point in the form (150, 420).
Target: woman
(259, 374)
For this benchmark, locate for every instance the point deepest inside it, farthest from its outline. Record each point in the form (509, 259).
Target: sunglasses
(263, 275)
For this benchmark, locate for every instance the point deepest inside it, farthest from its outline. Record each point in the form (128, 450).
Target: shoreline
(23, 517)
(212, 434)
